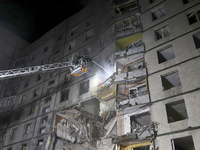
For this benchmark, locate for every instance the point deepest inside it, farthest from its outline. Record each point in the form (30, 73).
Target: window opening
(183, 143)
(24, 147)
(22, 99)
(133, 93)
(27, 128)
(162, 32)
(197, 40)
(26, 83)
(64, 95)
(171, 80)
(126, 7)
(44, 119)
(176, 111)
(72, 44)
(39, 77)
(165, 54)
(84, 87)
(46, 109)
(88, 35)
(40, 142)
(194, 16)
(139, 120)
(186, 1)
(45, 49)
(13, 134)
(32, 110)
(35, 93)
(73, 31)
(158, 13)
(42, 130)
(51, 82)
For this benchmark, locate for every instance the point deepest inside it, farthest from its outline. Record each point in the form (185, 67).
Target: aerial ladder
(77, 67)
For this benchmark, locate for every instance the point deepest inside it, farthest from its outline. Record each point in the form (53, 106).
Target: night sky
(33, 18)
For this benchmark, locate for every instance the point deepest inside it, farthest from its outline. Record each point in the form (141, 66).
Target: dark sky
(33, 18)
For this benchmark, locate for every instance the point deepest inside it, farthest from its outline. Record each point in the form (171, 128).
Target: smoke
(104, 71)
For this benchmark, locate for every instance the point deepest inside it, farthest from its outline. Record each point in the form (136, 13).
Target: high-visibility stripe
(75, 74)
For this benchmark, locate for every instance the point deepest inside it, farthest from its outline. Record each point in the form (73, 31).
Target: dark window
(45, 49)
(35, 93)
(24, 147)
(13, 134)
(186, 1)
(158, 13)
(22, 99)
(40, 142)
(9, 148)
(27, 128)
(176, 111)
(72, 44)
(194, 16)
(84, 87)
(17, 115)
(183, 143)
(26, 83)
(64, 95)
(39, 77)
(162, 32)
(51, 82)
(74, 31)
(165, 54)
(133, 93)
(47, 100)
(151, 1)
(32, 110)
(44, 119)
(126, 7)
(197, 40)
(170, 80)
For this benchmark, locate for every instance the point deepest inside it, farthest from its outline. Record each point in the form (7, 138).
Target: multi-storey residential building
(140, 89)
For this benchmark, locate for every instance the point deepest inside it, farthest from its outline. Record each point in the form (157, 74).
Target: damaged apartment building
(118, 75)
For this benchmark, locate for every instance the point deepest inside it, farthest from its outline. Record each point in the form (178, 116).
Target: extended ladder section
(77, 69)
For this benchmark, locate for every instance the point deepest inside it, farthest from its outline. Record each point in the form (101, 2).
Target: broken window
(84, 87)
(24, 147)
(45, 49)
(13, 134)
(39, 77)
(186, 1)
(44, 119)
(130, 23)
(89, 22)
(72, 44)
(196, 38)
(176, 111)
(158, 13)
(165, 54)
(194, 16)
(126, 7)
(162, 32)
(46, 109)
(151, 1)
(64, 95)
(88, 35)
(139, 120)
(32, 110)
(170, 80)
(42, 130)
(3, 137)
(51, 82)
(40, 142)
(26, 83)
(183, 143)
(133, 93)
(35, 93)
(47, 100)
(22, 99)
(17, 115)
(27, 128)
(73, 31)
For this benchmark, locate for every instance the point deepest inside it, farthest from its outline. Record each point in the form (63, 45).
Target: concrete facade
(140, 91)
